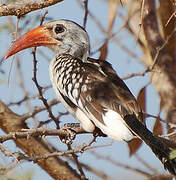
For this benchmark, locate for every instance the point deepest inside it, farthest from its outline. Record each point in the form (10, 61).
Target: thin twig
(39, 109)
(107, 158)
(169, 134)
(43, 17)
(92, 16)
(28, 97)
(136, 74)
(92, 169)
(155, 59)
(39, 87)
(54, 154)
(75, 157)
(148, 166)
(41, 92)
(141, 17)
(173, 14)
(86, 13)
(5, 169)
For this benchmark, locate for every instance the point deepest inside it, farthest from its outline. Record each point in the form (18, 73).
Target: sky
(121, 62)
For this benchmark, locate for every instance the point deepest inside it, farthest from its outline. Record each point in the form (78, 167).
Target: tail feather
(165, 153)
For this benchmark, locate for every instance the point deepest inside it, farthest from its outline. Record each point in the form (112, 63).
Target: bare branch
(75, 157)
(107, 158)
(5, 169)
(57, 168)
(23, 7)
(146, 164)
(136, 74)
(86, 13)
(27, 98)
(102, 174)
(54, 154)
(37, 132)
(163, 62)
(41, 92)
(38, 109)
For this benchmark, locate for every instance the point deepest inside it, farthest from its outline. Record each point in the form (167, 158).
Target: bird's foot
(69, 137)
(70, 128)
(97, 132)
(72, 125)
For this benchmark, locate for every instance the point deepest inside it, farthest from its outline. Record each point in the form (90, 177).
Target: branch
(75, 157)
(71, 151)
(136, 74)
(101, 173)
(162, 61)
(38, 109)
(37, 132)
(33, 146)
(27, 98)
(23, 7)
(86, 13)
(120, 164)
(39, 88)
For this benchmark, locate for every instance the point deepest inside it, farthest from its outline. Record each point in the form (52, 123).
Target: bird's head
(61, 36)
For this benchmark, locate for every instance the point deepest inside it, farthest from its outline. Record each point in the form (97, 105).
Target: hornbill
(90, 89)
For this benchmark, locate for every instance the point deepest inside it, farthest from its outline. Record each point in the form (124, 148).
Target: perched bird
(90, 89)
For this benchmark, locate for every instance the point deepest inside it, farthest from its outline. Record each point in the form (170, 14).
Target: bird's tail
(161, 149)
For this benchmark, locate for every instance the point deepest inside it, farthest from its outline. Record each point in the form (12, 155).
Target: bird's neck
(80, 52)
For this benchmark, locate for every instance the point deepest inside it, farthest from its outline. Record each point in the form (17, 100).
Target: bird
(90, 89)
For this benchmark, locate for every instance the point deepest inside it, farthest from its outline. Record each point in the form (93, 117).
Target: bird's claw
(71, 136)
(69, 128)
(97, 132)
(72, 125)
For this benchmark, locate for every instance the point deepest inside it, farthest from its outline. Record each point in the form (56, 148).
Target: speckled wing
(105, 90)
(92, 92)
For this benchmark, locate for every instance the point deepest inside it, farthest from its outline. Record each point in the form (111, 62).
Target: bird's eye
(59, 28)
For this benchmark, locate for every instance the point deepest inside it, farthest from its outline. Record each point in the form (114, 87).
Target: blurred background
(118, 35)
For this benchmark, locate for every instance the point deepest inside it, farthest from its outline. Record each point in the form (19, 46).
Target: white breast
(113, 126)
(86, 123)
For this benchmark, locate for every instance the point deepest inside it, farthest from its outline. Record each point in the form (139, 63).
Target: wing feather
(107, 91)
